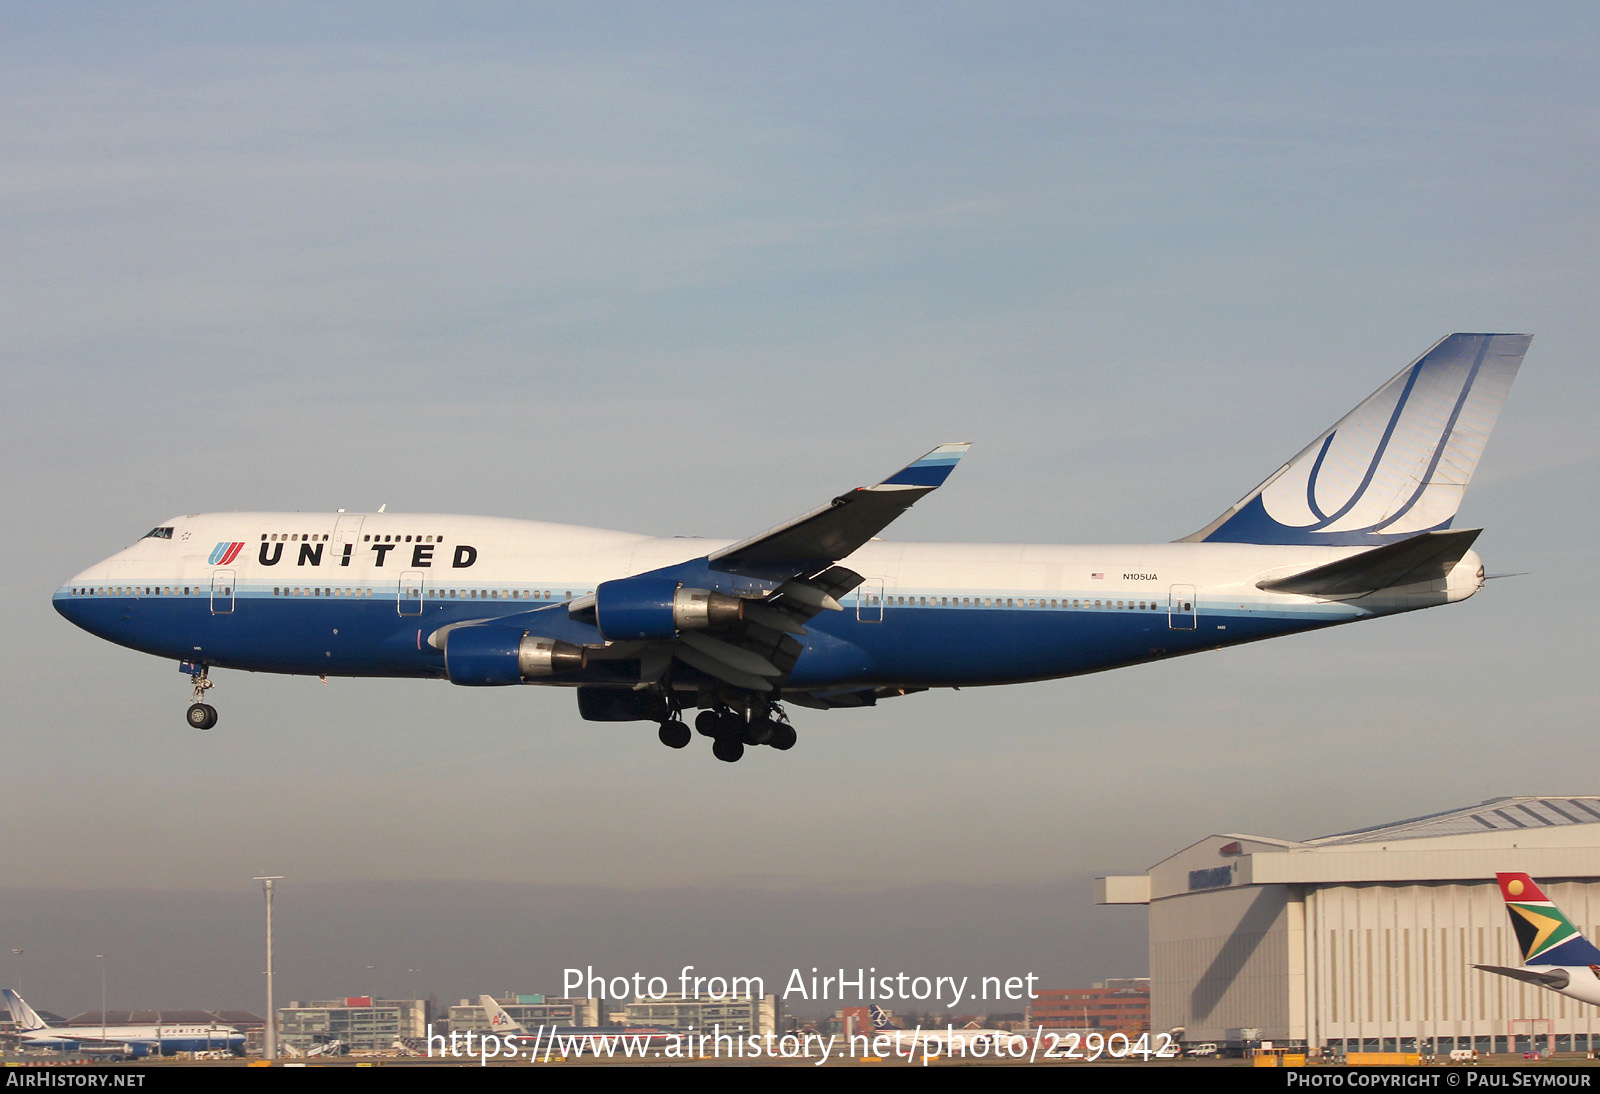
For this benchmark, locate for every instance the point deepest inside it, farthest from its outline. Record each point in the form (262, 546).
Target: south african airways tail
(1555, 954)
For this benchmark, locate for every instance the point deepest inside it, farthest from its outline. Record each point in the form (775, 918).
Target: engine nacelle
(659, 607)
(490, 656)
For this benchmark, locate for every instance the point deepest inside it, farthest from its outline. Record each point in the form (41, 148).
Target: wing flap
(721, 670)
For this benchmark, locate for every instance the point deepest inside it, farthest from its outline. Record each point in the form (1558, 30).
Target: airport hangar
(1365, 940)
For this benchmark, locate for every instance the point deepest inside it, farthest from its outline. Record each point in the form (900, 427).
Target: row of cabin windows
(303, 591)
(546, 594)
(135, 590)
(322, 537)
(1013, 602)
(437, 594)
(280, 590)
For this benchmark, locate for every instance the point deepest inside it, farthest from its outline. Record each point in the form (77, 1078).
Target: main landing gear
(731, 731)
(201, 715)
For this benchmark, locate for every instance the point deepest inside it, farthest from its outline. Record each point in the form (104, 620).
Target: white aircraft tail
(22, 1016)
(1395, 466)
(499, 1021)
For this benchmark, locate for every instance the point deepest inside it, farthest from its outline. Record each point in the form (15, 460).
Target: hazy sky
(693, 269)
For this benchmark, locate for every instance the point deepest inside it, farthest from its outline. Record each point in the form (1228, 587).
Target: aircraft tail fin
(1396, 465)
(499, 1021)
(1545, 936)
(22, 1016)
(880, 1018)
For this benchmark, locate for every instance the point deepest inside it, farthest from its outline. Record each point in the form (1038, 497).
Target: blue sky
(692, 269)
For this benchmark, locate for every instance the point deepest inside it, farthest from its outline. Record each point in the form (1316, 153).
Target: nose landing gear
(201, 715)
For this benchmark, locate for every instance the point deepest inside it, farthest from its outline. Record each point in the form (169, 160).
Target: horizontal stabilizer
(1554, 979)
(1427, 557)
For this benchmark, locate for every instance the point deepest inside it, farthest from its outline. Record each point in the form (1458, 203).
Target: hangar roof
(1495, 814)
(1548, 836)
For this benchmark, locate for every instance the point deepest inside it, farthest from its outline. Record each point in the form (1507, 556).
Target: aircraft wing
(754, 644)
(758, 652)
(835, 530)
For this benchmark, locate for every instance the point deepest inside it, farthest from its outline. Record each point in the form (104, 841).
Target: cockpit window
(158, 533)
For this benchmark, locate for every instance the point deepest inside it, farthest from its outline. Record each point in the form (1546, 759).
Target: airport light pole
(100, 957)
(271, 1049)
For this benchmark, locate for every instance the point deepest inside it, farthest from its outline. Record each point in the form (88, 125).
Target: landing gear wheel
(202, 716)
(707, 722)
(728, 749)
(759, 731)
(783, 737)
(674, 734)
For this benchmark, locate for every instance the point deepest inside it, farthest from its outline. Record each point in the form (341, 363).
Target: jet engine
(489, 656)
(659, 607)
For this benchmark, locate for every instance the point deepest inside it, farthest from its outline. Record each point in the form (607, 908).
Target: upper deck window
(158, 533)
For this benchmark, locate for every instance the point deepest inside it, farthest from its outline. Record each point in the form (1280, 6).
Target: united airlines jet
(816, 611)
(34, 1032)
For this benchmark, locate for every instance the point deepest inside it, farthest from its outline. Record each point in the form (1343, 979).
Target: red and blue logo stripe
(224, 553)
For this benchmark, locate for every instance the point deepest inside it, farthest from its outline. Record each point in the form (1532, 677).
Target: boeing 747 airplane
(816, 611)
(159, 1040)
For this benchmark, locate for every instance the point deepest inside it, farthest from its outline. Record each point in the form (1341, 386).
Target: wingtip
(931, 469)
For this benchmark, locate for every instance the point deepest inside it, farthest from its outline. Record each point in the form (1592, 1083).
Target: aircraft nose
(75, 600)
(63, 600)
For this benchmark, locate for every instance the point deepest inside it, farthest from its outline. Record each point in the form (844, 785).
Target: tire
(707, 722)
(201, 716)
(674, 734)
(730, 750)
(783, 737)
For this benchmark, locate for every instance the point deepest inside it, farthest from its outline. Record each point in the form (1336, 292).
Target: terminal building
(1110, 1006)
(528, 1011)
(359, 1023)
(1365, 940)
(757, 1014)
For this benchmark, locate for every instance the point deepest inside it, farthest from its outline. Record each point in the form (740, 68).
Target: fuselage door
(869, 600)
(222, 592)
(1181, 608)
(410, 602)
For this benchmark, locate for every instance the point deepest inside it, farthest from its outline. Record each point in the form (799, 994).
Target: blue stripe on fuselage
(911, 645)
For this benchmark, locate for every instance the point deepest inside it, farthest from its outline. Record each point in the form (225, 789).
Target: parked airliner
(160, 1040)
(816, 611)
(1555, 954)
